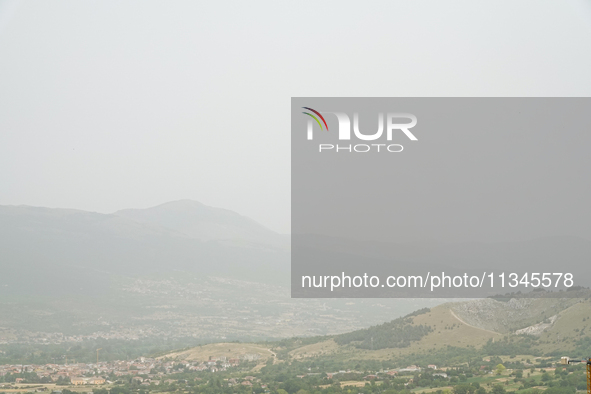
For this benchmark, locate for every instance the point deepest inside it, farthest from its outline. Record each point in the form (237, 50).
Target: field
(228, 350)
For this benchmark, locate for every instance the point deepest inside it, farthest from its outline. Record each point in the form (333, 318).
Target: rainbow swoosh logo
(315, 118)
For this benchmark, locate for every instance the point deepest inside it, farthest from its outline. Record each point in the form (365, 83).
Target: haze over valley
(178, 270)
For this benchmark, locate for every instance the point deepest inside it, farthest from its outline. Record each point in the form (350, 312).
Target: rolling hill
(546, 326)
(537, 325)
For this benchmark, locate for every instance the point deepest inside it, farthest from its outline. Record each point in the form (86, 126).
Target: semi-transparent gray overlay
(475, 197)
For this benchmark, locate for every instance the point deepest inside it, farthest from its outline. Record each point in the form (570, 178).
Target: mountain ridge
(200, 221)
(48, 249)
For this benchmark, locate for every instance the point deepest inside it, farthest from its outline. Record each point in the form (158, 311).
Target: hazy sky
(107, 105)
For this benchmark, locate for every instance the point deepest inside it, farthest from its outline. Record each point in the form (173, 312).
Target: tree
(464, 389)
(500, 368)
(498, 389)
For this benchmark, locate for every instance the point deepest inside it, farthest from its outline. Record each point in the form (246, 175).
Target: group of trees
(30, 377)
(398, 333)
(85, 351)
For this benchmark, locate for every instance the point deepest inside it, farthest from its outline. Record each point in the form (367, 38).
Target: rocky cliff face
(538, 329)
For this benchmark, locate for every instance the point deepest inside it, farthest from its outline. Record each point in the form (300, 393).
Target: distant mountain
(64, 251)
(202, 222)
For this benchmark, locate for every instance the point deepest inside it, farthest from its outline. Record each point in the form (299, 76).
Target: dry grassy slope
(229, 350)
(505, 318)
(317, 349)
(448, 329)
(568, 328)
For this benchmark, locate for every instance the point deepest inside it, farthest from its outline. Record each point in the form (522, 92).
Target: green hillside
(539, 327)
